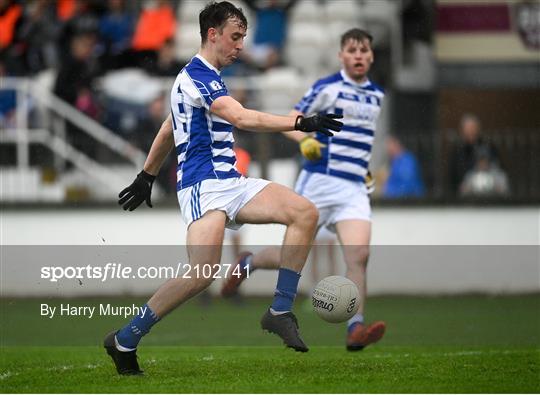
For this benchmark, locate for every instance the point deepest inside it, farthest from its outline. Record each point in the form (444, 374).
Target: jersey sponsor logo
(348, 96)
(216, 85)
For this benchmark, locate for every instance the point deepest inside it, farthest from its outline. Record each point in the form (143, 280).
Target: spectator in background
(156, 25)
(270, 32)
(166, 64)
(83, 18)
(75, 85)
(404, 179)
(8, 103)
(66, 9)
(10, 13)
(464, 154)
(76, 75)
(116, 27)
(10, 16)
(485, 179)
(34, 43)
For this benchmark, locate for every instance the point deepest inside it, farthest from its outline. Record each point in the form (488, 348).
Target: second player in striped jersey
(335, 174)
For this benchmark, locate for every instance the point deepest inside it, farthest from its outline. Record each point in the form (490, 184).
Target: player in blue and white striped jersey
(211, 192)
(335, 174)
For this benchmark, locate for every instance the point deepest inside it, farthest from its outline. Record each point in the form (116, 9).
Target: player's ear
(212, 34)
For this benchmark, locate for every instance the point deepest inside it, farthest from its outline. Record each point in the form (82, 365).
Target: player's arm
(162, 145)
(140, 190)
(233, 112)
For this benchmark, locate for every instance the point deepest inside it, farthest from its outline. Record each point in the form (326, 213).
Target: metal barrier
(56, 113)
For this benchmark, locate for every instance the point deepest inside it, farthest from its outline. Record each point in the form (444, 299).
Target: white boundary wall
(433, 266)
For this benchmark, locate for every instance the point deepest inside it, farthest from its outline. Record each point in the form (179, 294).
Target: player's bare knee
(307, 214)
(205, 273)
(357, 255)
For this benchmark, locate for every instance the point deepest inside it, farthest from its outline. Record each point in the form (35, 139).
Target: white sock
(354, 319)
(274, 312)
(121, 348)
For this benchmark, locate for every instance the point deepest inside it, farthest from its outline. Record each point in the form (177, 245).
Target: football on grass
(335, 299)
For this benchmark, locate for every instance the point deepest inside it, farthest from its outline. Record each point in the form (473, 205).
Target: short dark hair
(216, 15)
(356, 35)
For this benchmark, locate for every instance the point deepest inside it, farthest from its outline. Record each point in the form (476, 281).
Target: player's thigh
(276, 204)
(205, 238)
(354, 236)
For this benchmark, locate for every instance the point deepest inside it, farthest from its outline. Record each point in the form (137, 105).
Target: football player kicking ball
(211, 192)
(335, 177)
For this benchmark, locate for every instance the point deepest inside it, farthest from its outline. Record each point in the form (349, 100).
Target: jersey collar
(207, 63)
(349, 80)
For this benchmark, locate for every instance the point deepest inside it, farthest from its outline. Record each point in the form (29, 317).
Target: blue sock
(287, 285)
(129, 336)
(357, 319)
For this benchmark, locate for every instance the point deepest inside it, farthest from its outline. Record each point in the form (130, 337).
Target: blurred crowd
(83, 40)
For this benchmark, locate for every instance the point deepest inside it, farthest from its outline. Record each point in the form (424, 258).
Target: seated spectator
(404, 179)
(270, 32)
(463, 155)
(485, 179)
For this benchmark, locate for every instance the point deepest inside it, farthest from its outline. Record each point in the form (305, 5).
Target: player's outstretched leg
(354, 236)
(278, 204)
(360, 335)
(204, 242)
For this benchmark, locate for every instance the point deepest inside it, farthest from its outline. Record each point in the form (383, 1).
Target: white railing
(27, 91)
(66, 151)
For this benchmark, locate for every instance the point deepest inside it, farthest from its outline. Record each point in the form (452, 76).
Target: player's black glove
(139, 191)
(319, 123)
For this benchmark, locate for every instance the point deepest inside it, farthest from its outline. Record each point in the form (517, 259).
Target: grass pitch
(462, 344)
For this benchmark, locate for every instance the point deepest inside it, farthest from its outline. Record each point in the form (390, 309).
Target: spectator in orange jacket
(156, 25)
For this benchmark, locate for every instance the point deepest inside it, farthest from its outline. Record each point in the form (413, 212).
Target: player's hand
(370, 183)
(139, 191)
(311, 148)
(323, 123)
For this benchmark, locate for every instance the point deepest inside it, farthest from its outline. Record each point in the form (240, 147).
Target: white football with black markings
(335, 299)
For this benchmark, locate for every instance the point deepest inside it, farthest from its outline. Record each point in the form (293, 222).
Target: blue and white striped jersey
(347, 153)
(204, 141)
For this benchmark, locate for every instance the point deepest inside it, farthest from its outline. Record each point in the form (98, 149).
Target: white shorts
(228, 195)
(336, 199)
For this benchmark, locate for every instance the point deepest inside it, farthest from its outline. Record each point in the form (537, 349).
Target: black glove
(140, 190)
(319, 123)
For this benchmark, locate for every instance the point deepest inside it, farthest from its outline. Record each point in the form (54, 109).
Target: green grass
(466, 344)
